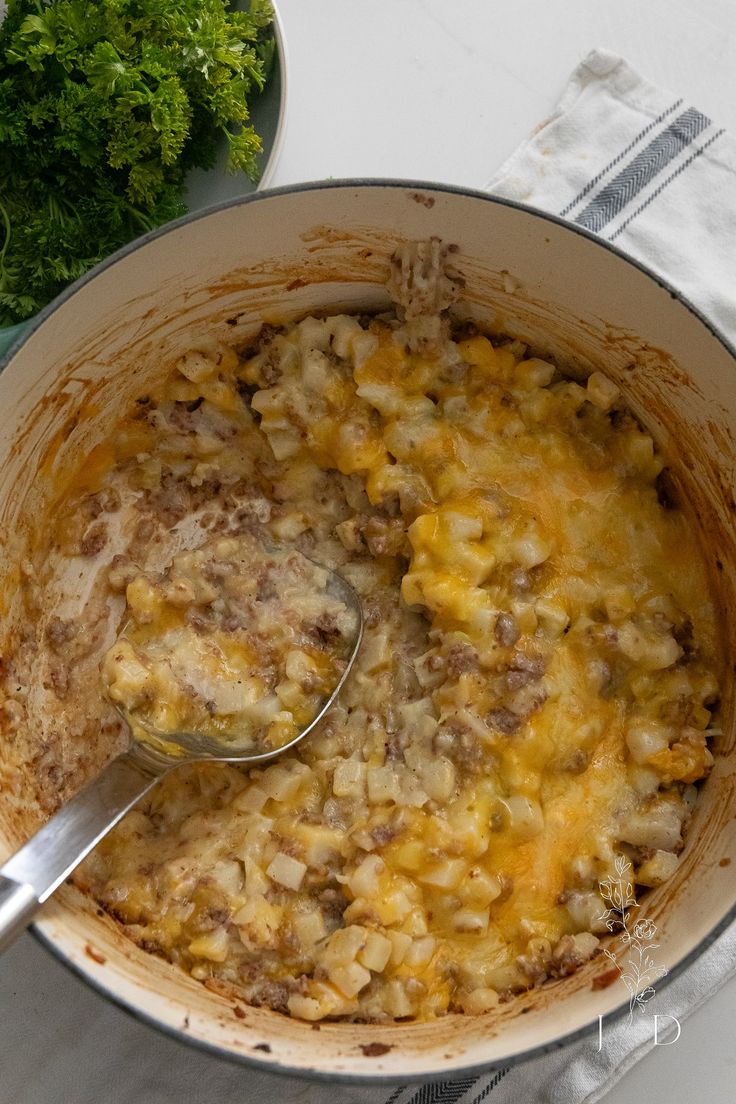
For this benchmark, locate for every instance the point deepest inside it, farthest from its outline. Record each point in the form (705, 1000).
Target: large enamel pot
(282, 254)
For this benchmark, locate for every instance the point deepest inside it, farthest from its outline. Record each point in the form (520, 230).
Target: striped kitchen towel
(645, 170)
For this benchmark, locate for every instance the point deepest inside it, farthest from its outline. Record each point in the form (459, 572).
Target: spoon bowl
(33, 873)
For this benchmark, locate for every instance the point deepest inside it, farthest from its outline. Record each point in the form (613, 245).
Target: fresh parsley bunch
(104, 107)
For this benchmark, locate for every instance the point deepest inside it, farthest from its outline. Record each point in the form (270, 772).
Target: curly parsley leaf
(105, 105)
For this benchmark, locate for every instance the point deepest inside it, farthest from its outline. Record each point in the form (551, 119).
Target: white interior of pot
(283, 256)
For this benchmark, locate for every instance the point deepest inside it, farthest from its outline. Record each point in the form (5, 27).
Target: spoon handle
(32, 874)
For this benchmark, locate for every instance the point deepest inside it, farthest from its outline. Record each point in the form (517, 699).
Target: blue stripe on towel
(650, 161)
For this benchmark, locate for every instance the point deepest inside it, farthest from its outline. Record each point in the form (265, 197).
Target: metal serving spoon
(32, 874)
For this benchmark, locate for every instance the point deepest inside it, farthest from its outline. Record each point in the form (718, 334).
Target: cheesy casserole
(533, 696)
(240, 642)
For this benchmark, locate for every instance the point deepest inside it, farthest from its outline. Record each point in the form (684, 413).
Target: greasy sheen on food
(533, 696)
(238, 641)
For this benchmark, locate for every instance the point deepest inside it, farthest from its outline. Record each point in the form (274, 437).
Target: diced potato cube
(640, 451)
(345, 328)
(250, 800)
(479, 352)
(305, 1008)
(383, 784)
(619, 603)
(386, 398)
(411, 855)
(450, 477)
(320, 1000)
(228, 875)
(470, 832)
(410, 791)
(270, 405)
(393, 907)
(359, 909)
(290, 525)
(258, 921)
(376, 952)
(659, 827)
(523, 814)
(470, 920)
(586, 910)
(418, 721)
(364, 346)
(533, 373)
(526, 616)
(601, 391)
(349, 979)
(179, 390)
(552, 616)
(658, 869)
(316, 370)
(313, 333)
(395, 1000)
(420, 951)
(445, 875)
(213, 945)
(530, 550)
(571, 393)
(206, 444)
(290, 695)
(256, 837)
(310, 928)
(299, 666)
(478, 1001)
(320, 842)
(376, 654)
(343, 945)
(645, 738)
(363, 881)
(461, 527)
(126, 677)
(349, 778)
(438, 778)
(281, 782)
(285, 442)
(415, 923)
(220, 393)
(480, 888)
(653, 650)
(400, 944)
(286, 870)
(645, 781)
(196, 366)
(585, 944)
(473, 560)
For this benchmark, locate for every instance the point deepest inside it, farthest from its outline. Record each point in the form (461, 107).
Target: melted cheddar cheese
(532, 699)
(238, 643)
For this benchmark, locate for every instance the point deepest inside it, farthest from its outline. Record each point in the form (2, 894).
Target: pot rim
(264, 1064)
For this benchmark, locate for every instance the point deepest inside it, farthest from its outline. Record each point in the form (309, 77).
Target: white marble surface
(445, 89)
(700, 1066)
(428, 89)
